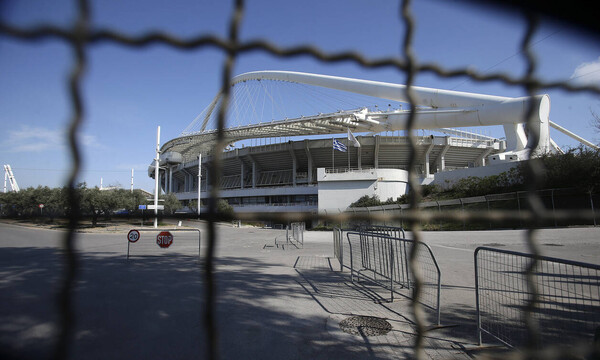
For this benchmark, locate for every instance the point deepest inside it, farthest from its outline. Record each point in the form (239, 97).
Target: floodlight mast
(11, 179)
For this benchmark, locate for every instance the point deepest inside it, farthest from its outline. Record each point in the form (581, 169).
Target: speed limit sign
(133, 235)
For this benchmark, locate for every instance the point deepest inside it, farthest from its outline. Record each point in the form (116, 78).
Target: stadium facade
(306, 174)
(309, 175)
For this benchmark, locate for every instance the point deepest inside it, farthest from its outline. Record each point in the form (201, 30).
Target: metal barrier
(148, 246)
(338, 246)
(392, 231)
(384, 260)
(294, 237)
(297, 237)
(338, 236)
(395, 232)
(565, 310)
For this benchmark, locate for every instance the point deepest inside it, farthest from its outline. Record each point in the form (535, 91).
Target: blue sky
(129, 92)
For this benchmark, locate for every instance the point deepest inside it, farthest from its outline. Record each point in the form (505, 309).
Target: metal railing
(567, 310)
(338, 246)
(392, 231)
(297, 234)
(338, 238)
(383, 260)
(294, 235)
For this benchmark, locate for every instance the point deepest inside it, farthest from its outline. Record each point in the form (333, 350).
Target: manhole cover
(365, 325)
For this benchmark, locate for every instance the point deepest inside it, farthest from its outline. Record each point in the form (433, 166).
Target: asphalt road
(152, 306)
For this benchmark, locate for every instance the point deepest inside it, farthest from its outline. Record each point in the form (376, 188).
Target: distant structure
(8, 175)
(296, 163)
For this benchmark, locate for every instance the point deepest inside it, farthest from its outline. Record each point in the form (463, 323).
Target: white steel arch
(446, 108)
(436, 109)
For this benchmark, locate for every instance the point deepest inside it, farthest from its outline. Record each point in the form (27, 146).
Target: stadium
(285, 161)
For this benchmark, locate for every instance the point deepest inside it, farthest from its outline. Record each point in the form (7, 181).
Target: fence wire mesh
(554, 200)
(80, 37)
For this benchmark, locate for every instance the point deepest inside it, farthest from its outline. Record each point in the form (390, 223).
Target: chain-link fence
(81, 38)
(555, 201)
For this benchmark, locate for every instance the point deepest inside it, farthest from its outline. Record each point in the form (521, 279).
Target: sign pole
(156, 176)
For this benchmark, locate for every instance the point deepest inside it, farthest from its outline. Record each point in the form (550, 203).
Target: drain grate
(365, 326)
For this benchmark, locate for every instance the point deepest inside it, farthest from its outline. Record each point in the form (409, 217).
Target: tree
(224, 209)
(595, 120)
(365, 201)
(91, 202)
(193, 206)
(171, 203)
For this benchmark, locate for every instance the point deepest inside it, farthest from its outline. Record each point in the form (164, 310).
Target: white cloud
(37, 139)
(587, 73)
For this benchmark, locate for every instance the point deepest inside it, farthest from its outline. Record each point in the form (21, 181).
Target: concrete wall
(338, 190)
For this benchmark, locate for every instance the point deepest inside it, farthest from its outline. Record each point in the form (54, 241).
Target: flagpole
(332, 155)
(348, 146)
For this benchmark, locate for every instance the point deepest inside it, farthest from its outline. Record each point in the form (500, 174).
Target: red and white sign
(41, 206)
(164, 239)
(133, 235)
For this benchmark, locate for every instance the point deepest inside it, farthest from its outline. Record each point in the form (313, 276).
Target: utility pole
(156, 176)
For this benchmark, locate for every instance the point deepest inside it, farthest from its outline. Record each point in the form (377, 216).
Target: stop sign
(164, 239)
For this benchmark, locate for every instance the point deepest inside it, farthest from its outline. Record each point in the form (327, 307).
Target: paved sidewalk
(341, 299)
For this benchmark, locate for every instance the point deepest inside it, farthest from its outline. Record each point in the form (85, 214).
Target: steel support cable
(415, 194)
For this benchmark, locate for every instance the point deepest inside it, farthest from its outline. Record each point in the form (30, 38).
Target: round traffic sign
(164, 239)
(133, 235)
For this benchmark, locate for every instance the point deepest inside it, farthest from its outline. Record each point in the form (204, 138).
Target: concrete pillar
(359, 153)
(254, 173)
(186, 180)
(242, 173)
(294, 164)
(376, 153)
(170, 179)
(310, 162)
(427, 152)
(442, 157)
(480, 161)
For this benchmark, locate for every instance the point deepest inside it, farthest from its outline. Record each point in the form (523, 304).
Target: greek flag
(339, 146)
